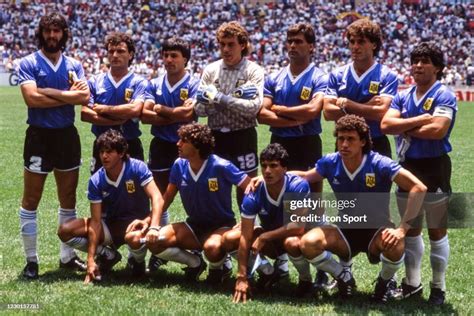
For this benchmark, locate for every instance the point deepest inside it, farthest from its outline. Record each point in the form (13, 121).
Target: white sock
(283, 260)
(216, 265)
(439, 261)
(389, 267)
(414, 248)
(181, 256)
(29, 233)
(228, 262)
(66, 252)
(327, 263)
(79, 243)
(138, 254)
(347, 265)
(234, 254)
(165, 218)
(265, 266)
(302, 266)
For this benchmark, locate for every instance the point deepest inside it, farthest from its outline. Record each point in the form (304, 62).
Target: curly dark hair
(275, 152)
(53, 19)
(233, 28)
(356, 123)
(113, 140)
(116, 38)
(304, 28)
(177, 44)
(368, 29)
(200, 136)
(432, 52)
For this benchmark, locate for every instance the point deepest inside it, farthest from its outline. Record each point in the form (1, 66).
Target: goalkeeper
(230, 95)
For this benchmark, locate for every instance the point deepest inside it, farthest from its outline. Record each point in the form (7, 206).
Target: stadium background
(449, 24)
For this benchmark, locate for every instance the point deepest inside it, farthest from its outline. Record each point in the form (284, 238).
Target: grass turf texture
(60, 292)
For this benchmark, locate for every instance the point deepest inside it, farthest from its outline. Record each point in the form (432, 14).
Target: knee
(64, 232)
(230, 241)
(437, 234)
(133, 240)
(292, 245)
(310, 241)
(212, 249)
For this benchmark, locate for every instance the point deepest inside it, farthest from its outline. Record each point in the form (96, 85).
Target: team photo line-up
(203, 162)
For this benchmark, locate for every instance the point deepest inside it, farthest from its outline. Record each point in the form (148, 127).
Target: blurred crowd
(149, 22)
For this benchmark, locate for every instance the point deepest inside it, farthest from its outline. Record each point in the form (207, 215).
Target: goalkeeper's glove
(208, 95)
(245, 92)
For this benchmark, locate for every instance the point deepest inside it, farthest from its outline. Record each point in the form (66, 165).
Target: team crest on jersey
(183, 94)
(72, 77)
(428, 103)
(128, 94)
(370, 180)
(130, 185)
(374, 87)
(213, 185)
(305, 93)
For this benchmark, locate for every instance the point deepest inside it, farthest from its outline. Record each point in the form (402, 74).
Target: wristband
(157, 228)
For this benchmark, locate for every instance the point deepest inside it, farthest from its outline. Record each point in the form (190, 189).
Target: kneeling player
(119, 193)
(273, 238)
(204, 182)
(348, 171)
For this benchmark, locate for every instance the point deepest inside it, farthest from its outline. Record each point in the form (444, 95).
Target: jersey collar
(353, 175)
(196, 176)
(177, 84)
(117, 84)
(280, 196)
(290, 75)
(50, 64)
(119, 178)
(354, 73)
(418, 101)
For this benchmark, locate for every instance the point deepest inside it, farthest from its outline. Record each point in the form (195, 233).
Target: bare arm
(242, 288)
(157, 202)
(437, 129)
(183, 113)
(374, 110)
(35, 99)
(93, 233)
(269, 117)
(91, 116)
(311, 175)
(122, 111)
(304, 112)
(331, 111)
(393, 123)
(168, 198)
(150, 116)
(77, 94)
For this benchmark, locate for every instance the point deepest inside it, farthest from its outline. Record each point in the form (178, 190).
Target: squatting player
(356, 169)
(424, 116)
(363, 87)
(204, 182)
(51, 84)
(117, 97)
(230, 95)
(120, 193)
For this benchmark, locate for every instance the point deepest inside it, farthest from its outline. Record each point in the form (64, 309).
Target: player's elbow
(330, 114)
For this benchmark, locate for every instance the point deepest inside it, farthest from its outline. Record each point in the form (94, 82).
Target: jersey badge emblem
(374, 87)
(428, 103)
(213, 185)
(130, 185)
(370, 180)
(305, 93)
(183, 94)
(128, 94)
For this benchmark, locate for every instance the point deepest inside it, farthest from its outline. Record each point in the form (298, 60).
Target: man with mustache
(51, 84)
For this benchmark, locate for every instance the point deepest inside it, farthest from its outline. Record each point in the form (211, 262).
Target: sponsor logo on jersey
(105, 194)
(42, 73)
(428, 103)
(128, 94)
(130, 185)
(263, 212)
(335, 181)
(183, 94)
(370, 180)
(305, 93)
(374, 87)
(213, 185)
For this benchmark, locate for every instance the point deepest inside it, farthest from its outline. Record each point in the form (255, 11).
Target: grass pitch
(60, 292)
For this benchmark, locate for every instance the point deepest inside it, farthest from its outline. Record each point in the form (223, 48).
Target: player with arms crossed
(51, 84)
(356, 169)
(204, 182)
(120, 193)
(423, 116)
(363, 87)
(117, 98)
(230, 95)
(273, 237)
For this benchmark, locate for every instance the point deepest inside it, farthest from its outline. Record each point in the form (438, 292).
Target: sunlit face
(349, 144)
(361, 49)
(111, 159)
(174, 61)
(186, 149)
(272, 171)
(52, 37)
(423, 70)
(231, 50)
(298, 48)
(119, 55)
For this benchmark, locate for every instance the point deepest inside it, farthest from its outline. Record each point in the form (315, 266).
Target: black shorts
(117, 229)
(202, 231)
(359, 240)
(239, 147)
(382, 146)
(162, 155)
(304, 151)
(135, 150)
(52, 148)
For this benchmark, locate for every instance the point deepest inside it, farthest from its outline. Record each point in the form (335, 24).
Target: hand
(242, 290)
(99, 108)
(207, 94)
(137, 224)
(277, 109)
(247, 92)
(425, 119)
(342, 103)
(253, 184)
(391, 237)
(93, 273)
(259, 243)
(188, 103)
(152, 236)
(237, 226)
(376, 100)
(157, 108)
(79, 85)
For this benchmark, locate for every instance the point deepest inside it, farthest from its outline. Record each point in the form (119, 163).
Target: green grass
(60, 292)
